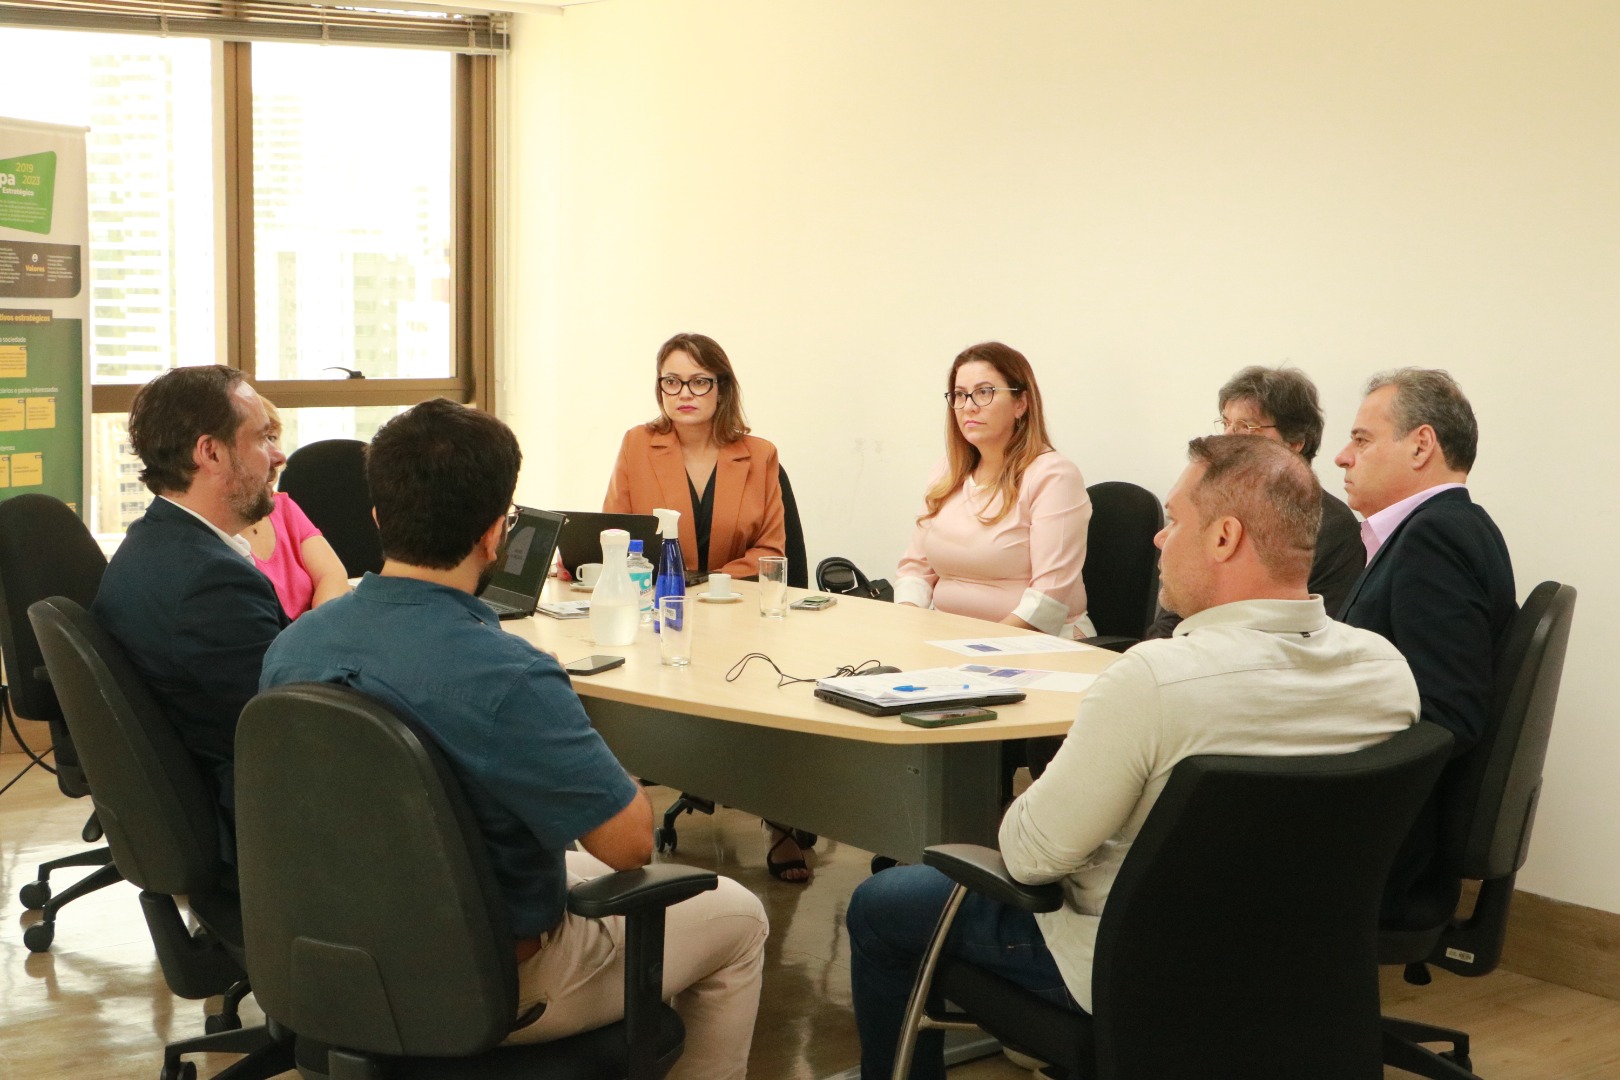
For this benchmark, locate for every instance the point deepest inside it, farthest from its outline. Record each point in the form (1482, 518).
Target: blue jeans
(891, 920)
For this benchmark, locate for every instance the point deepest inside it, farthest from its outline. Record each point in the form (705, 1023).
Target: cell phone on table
(593, 665)
(819, 602)
(946, 717)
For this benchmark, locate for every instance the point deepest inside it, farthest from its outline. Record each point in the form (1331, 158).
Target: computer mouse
(882, 669)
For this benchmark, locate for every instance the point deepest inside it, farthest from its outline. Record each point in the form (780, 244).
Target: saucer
(580, 586)
(710, 598)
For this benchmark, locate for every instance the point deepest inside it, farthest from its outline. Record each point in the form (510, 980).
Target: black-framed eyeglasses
(1223, 426)
(981, 395)
(672, 385)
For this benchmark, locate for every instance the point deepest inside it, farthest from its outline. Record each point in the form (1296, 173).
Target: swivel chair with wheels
(1487, 803)
(374, 925)
(327, 480)
(1239, 937)
(45, 550)
(164, 830)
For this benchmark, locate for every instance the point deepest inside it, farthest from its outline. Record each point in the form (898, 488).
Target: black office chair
(164, 830)
(1122, 565)
(327, 480)
(1487, 802)
(374, 925)
(45, 550)
(1239, 937)
(798, 561)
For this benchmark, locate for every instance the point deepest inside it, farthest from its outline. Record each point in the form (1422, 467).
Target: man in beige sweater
(1255, 667)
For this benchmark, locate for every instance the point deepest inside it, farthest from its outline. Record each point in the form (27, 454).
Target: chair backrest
(45, 550)
(798, 565)
(327, 480)
(1239, 938)
(1488, 797)
(1122, 565)
(371, 917)
(158, 812)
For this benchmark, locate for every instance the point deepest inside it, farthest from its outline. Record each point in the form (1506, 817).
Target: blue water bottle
(671, 580)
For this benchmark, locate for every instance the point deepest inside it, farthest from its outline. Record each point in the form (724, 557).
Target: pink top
(1027, 564)
(285, 567)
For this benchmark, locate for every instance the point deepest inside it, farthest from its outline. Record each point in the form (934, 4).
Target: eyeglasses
(512, 517)
(981, 395)
(672, 385)
(1223, 426)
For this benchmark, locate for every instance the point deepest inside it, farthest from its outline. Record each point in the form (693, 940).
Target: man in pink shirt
(1438, 583)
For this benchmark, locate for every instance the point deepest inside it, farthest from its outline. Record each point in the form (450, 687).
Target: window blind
(419, 26)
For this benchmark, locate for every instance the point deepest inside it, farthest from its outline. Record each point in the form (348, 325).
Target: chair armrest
(630, 891)
(983, 871)
(1111, 642)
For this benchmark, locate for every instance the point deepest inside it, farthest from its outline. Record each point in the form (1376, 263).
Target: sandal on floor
(779, 870)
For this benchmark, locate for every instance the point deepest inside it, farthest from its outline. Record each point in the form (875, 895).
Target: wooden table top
(810, 644)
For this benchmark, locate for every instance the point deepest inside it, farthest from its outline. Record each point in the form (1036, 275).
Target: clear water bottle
(641, 575)
(615, 604)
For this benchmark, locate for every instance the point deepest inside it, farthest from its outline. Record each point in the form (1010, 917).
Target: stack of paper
(920, 687)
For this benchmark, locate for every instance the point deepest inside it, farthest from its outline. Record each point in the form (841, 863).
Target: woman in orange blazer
(698, 458)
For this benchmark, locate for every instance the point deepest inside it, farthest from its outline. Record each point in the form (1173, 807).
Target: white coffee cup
(720, 585)
(587, 573)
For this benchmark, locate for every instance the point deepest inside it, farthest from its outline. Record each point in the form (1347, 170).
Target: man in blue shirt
(536, 773)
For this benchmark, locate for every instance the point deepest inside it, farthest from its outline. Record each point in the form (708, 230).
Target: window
(300, 211)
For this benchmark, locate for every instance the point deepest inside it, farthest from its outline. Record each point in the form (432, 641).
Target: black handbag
(836, 574)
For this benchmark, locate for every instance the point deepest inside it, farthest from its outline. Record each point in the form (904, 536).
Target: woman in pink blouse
(292, 552)
(1002, 535)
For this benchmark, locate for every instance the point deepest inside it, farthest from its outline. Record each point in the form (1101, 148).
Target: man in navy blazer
(1438, 582)
(182, 594)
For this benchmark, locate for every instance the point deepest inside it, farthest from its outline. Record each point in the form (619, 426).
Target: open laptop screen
(525, 559)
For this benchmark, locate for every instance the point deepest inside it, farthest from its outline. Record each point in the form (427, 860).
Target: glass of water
(675, 637)
(773, 586)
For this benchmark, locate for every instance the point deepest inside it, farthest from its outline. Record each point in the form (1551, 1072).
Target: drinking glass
(773, 586)
(675, 636)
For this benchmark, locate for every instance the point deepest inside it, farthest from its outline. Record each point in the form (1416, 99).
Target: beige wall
(1142, 197)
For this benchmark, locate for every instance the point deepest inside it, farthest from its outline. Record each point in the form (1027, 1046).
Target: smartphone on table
(946, 717)
(592, 665)
(819, 602)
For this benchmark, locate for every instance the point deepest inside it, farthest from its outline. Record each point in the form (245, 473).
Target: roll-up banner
(44, 305)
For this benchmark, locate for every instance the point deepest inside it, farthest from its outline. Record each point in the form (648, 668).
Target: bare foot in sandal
(790, 867)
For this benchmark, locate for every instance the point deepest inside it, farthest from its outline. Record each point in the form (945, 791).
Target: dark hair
(171, 413)
(1027, 443)
(1431, 396)
(1267, 487)
(441, 474)
(1285, 394)
(729, 422)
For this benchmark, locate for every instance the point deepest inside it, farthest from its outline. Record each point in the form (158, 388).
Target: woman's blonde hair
(1028, 440)
(729, 425)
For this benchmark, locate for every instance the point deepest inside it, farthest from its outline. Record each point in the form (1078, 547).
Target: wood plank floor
(96, 1006)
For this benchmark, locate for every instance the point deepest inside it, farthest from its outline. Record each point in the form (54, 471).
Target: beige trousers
(714, 952)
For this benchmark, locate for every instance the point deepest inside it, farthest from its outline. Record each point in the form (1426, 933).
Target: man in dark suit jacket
(182, 594)
(1438, 584)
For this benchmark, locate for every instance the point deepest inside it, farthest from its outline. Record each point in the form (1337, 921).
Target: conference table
(781, 753)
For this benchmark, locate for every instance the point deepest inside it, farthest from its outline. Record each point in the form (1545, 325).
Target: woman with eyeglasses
(1002, 535)
(697, 457)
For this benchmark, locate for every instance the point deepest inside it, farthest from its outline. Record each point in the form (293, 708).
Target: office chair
(1121, 574)
(1239, 937)
(1487, 805)
(374, 925)
(45, 550)
(327, 480)
(164, 830)
(798, 561)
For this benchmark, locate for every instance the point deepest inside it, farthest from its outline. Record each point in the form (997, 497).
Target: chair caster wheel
(38, 937)
(665, 840)
(35, 895)
(179, 1070)
(214, 1023)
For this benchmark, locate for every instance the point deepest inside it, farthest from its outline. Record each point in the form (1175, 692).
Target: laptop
(523, 564)
(581, 539)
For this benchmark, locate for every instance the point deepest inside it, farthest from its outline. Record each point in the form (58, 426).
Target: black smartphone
(592, 665)
(947, 717)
